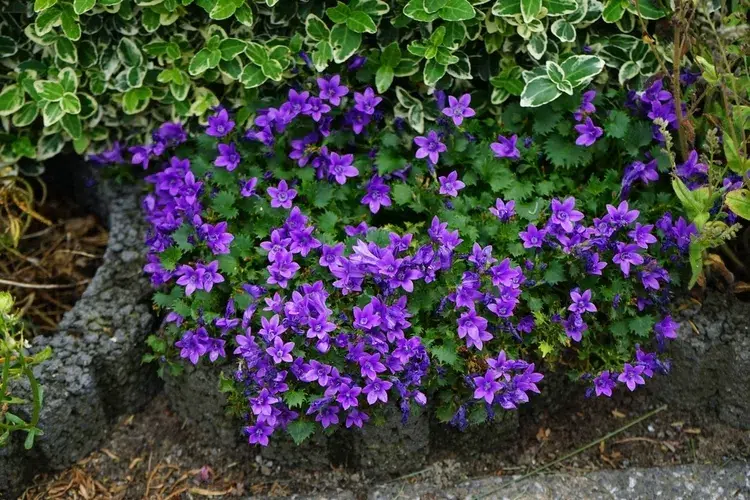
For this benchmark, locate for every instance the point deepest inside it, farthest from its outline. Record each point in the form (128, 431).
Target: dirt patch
(55, 259)
(152, 455)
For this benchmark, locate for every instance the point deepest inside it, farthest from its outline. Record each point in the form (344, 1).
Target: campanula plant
(342, 262)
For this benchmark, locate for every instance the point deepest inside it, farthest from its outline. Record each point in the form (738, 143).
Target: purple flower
(458, 109)
(348, 396)
(228, 157)
(589, 133)
(486, 387)
(655, 93)
(604, 383)
(506, 148)
(587, 105)
(280, 351)
(300, 150)
(356, 418)
(365, 318)
(691, 167)
(429, 146)
(248, 187)
(622, 215)
(297, 102)
(210, 275)
(329, 254)
(564, 215)
(666, 328)
(481, 257)
(581, 302)
(631, 376)
(377, 194)
(193, 345)
(642, 236)
(370, 366)
(627, 255)
(281, 196)
(340, 167)
(377, 390)
(270, 329)
(216, 237)
(356, 63)
(331, 89)
(503, 210)
(219, 124)
(532, 237)
(450, 185)
(317, 108)
(259, 433)
(366, 102)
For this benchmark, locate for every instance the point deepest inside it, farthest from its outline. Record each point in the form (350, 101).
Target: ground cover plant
(179, 58)
(342, 261)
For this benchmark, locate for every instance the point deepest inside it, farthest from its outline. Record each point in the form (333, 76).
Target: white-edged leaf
(539, 91)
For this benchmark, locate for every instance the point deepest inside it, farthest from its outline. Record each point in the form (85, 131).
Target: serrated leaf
(300, 430)
(555, 273)
(295, 399)
(170, 258)
(445, 354)
(617, 124)
(402, 194)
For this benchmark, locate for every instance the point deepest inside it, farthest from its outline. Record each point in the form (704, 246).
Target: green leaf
(617, 124)
(204, 60)
(415, 10)
(50, 91)
(456, 10)
(383, 78)
(129, 53)
(52, 113)
(25, 115)
(272, 69)
(736, 161)
(691, 200)
(68, 79)
(70, 103)
(40, 5)
(738, 202)
(642, 325)
(507, 8)
(223, 9)
(8, 46)
(647, 9)
(322, 55)
(445, 354)
(257, 53)
(537, 45)
(231, 48)
(391, 55)
(300, 430)
(696, 262)
(402, 194)
(81, 6)
(554, 72)
(170, 258)
(345, 42)
(361, 22)
(530, 9)
(580, 70)
(433, 72)
(69, 21)
(339, 14)
(244, 15)
(564, 31)
(252, 76)
(613, 10)
(434, 5)
(72, 125)
(294, 399)
(538, 92)
(316, 28)
(12, 98)
(66, 51)
(628, 71)
(135, 100)
(555, 273)
(560, 7)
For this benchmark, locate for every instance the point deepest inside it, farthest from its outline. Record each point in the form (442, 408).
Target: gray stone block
(711, 362)
(95, 372)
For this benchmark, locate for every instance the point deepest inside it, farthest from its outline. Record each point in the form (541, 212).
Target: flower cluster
(341, 276)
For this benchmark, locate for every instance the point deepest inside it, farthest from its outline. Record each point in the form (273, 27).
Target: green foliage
(125, 64)
(18, 414)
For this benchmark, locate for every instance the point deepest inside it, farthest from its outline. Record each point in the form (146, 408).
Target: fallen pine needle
(578, 451)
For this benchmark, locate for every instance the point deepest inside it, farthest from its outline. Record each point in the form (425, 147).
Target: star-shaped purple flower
(450, 185)
(506, 148)
(429, 146)
(589, 132)
(282, 195)
(458, 109)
